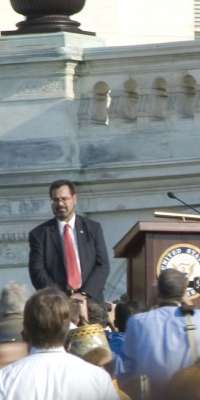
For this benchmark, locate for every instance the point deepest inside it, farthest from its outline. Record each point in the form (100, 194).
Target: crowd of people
(56, 347)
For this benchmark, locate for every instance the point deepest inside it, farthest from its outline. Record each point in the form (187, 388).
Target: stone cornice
(13, 266)
(13, 236)
(44, 47)
(176, 49)
(102, 173)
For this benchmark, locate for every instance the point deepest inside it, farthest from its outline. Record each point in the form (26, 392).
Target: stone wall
(122, 122)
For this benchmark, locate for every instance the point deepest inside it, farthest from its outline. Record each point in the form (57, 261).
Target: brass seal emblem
(184, 257)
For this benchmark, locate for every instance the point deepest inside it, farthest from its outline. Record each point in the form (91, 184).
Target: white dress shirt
(53, 374)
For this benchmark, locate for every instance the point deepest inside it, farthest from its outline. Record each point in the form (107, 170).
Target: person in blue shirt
(156, 341)
(123, 310)
(97, 313)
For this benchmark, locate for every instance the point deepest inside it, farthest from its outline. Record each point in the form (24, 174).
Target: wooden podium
(154, 246)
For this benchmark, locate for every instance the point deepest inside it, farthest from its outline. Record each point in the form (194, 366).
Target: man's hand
(82, 301)
(111, 314)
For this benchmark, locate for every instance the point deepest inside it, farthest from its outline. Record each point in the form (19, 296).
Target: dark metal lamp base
(47, 24)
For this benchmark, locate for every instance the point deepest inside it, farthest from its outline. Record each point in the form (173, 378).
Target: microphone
(171, 195)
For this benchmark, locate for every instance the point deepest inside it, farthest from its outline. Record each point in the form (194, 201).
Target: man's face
(63, 203)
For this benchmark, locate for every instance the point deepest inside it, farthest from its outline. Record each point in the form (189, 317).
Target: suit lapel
(55, 237)
(82, 241)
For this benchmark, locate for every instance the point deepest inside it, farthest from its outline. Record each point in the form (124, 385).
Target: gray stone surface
(122, 122)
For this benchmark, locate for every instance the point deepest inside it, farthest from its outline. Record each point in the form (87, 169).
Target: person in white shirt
(48, 372)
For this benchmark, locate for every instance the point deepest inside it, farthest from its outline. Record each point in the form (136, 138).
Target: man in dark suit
(49, 262)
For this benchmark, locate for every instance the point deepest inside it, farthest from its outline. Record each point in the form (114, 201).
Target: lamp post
(47, 16)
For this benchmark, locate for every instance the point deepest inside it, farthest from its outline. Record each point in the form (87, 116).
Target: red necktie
(71, 263)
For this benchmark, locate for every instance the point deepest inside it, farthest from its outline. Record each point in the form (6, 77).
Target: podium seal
(185, 258)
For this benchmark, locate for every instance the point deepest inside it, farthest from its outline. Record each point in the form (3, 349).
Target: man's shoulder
(140, 316)
(42, 227)
(62, 360)
(90, 223)
(76, 363)
(153, 314)
(196, 313)
(14, 367)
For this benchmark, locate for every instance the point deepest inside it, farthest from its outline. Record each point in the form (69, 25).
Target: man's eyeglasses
(57, 200)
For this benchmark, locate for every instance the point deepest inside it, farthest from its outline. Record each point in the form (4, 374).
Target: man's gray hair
(13, 298)
(172, 284)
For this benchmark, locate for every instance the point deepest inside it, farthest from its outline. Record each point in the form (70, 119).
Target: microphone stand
(171, 195)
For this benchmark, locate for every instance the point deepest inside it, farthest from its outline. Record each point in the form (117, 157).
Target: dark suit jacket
(46, 261)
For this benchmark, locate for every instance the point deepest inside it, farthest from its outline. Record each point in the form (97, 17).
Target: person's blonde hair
(46, 318)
